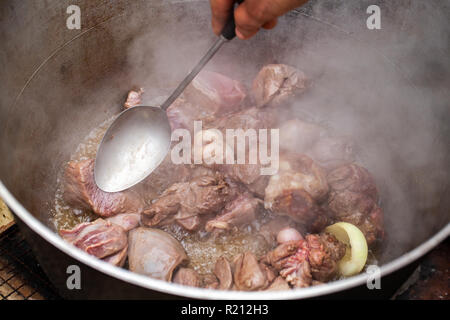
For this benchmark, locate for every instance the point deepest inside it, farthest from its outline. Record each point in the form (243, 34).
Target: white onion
(356, 253)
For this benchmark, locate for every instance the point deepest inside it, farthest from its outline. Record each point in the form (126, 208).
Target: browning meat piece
(119, 258)
(301, 262)
(331, 152)
(353, 198)
(297, 172)
(127, 221)
(210, 94)
(242, 210)
(209, 281)
(222, 270)
(134, 98)
(251, 118)
(324, 254)
(166, 174)
(248, 275)
(216, 92)
(82, 192)
(100, 238)
(182, 114)
(277, 82)
(295, 191)
(187, 277)
(279, 284)
(154, 253)
(353, 178)
(184, 201)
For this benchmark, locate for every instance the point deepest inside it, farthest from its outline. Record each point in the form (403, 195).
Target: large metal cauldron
(387, 88)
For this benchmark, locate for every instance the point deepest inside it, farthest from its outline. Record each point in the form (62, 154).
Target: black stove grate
(21, 277)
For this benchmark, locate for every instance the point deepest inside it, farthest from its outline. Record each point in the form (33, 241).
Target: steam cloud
(385, 89)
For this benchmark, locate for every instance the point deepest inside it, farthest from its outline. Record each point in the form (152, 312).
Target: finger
(270, 25)
(247, 22)
(220, 11)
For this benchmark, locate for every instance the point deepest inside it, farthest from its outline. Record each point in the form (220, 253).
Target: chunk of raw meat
(154, 253)
(200, 196)
(353, 178)
(242, 210)
(331, 153)
(222, 270)
(183, 113)
(275, 83)
(209, 95)
(209, 281)
(279, 284)
(353, 198)
(127, 221)
(248, 275)
(99, 238)
(165, 175)
(216, 92)
(134, 98)
(296, 191)
(82, 192)
(251, 118)
(119, 258)
(301, 262)
(187, 277)
(325, 251)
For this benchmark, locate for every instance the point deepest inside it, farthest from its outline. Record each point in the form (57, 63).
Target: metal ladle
(139, 138)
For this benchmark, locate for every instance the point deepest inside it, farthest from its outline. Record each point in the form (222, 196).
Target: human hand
(251, 15)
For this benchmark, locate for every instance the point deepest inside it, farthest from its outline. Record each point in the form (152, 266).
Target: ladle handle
(229, 31)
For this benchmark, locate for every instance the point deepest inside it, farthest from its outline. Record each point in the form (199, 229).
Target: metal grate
(21, 278)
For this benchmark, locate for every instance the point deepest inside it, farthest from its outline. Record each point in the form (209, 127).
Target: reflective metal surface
(75, 79)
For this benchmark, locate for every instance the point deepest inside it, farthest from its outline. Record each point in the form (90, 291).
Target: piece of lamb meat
(99, 238)
(216, 92)
(241, 211)
(222, 270)
(210, 281)
(127, 221)
(248, 275)
(182, 114)
(134, 98)
(296, 191)
(119, 258)
(332, 152)
(187, 277)
(165, 175)
(354, 178)
(275, 83)
(301, 262)
(81, 191)
(186, 200)
(209, 95)
(353, 198)
(154, 253)
(279, 284)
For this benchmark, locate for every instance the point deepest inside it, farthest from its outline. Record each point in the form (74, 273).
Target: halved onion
(356, 253)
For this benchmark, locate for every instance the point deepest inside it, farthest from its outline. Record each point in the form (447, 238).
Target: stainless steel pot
(386, 88)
